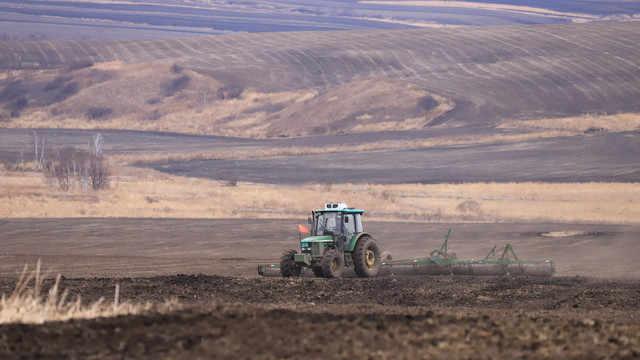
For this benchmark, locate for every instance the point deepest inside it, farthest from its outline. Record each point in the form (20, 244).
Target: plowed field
(383, 318)
(590, 309)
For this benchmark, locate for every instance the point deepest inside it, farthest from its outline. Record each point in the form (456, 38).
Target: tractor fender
(354, 239)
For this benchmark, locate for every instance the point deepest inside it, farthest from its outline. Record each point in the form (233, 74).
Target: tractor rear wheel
(366, 257)
(332, 264)
(288, 266)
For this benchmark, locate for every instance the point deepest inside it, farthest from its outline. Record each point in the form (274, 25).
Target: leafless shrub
(594, 129)
(154, 115)
(95, 112)
(228, 175)
(468, 206)
(151, 200)
(327, 184)
(170, 88)
(12, 90)
(97, 168)
(14, 163)
(73, 167)
(66, 167)
(388, 196)
(98, 172)
(176, 69)
(68, 90)
(18, 104)
(229, 92)
(56, 83)
(28, 74)
(80, 64)
(427, 103)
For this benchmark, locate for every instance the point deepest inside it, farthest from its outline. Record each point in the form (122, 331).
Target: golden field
(146, 193)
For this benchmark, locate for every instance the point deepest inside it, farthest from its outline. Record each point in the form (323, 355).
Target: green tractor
(337, 241)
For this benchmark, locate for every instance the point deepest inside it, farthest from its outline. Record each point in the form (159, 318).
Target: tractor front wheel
(332, 264)
(366, 257)
(317, 271)
(288, 266)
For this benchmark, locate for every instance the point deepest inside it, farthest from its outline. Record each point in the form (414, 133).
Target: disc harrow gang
(501, 262)
(441, 262)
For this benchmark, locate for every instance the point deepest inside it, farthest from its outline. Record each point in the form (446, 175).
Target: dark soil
(383, 318)
(603, 157)
(226, 311)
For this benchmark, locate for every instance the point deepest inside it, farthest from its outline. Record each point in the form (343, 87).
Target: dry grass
(135, 94)
(533, 129)
(27, 304)
(575, 17)
(150, 96)
(581, 124)
(468, 139)
(145, 193)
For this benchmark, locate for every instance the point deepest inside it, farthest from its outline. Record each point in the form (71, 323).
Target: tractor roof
(344, 211)
(339, 207)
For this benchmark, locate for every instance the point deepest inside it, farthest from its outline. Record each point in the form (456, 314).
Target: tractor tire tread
(286, 267)
(327, 261)
(360, 267)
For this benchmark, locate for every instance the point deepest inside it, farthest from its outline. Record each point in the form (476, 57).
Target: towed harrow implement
(500, 262)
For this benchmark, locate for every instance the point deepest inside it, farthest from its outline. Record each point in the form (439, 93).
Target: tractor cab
(338, 221)
(337, 218)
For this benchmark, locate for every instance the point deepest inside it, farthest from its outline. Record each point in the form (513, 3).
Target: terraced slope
(491, 73)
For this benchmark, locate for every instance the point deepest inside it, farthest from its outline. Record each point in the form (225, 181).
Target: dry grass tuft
(27, 304)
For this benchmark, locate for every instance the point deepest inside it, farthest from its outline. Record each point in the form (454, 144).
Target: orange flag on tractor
(302, 228)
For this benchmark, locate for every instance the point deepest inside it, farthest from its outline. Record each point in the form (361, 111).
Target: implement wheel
(288, 266)
(366, 257)
(332, 264)
(317, 271)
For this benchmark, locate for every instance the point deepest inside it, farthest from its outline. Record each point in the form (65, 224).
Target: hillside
(144, 19)
(304, 83)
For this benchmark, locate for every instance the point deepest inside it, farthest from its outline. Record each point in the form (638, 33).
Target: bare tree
(95, 144)
(205, 92)
(97, 169)
(72, 167)
(39, 153)
(64, 168)
(98, 172)
(228, 175)
(83, 169)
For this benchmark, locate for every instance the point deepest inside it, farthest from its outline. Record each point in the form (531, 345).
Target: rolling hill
(282, 81)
